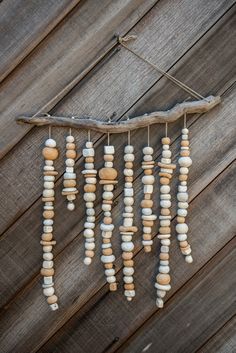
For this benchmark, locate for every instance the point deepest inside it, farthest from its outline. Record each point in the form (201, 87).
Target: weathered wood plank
(224, 341)
(64, 56)
(24, 24)
(75, 283)
(113, 308)
(23, 267)
(27, 152)
(197, 311)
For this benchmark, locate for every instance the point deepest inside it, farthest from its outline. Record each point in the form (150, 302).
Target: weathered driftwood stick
(168, 116)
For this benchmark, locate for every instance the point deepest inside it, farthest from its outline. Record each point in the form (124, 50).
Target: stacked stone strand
(166, 171)
(69, 176)
(90, 175)
(50, 153)
(107, 177)
(127, 229)
(182, 196)
(148, 217)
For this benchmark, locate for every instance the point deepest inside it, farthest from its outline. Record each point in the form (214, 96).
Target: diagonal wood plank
(26, 157)
(75, 284)
(24, 24)
(197, 311)
(27, 260)
(224, 341)
(64, 56)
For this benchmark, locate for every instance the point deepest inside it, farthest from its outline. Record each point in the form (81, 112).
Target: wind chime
(108, 179)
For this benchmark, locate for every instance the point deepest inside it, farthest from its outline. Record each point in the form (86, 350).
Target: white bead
(89, 167)
(153, 217)
(89, 225)
(161, 293)
(48, 162)
(165, 223)
(48, 178)
(90, 240)
(181, 228)
(129, 157)
(189, 259)
(182, 188)
(148, 179)
(71, 197)
(147, 158)
(147, 242)
(184, 137)
(128, 222)
(48, 193)
(129, 293)
(70, 206)
(165, 242)
(48, 185)
(50, 143)
(165, 160)
(70, 139)
(54, 306)
(128, 271)
(128, 172)
(47, 264)
(147, 211)
(111, 279)
(183, 205)
(186, 251)
(47, 248)
(165, 249)
(89, 196)
(47, 256)
(128, 209)
(165, 196)
(69, 169)
(165, 147)
(106, 246)
(182, 212)
(127, 246)
(183, 170)
(89, 246)
(128, 279)
(128, 184)
(87, 260)
(107, 234)
(128, 192)
(107, 227)
(107, 195)
(165, 189)
(182, 237)
(91, 180)
(108, 164)
(128, 201)
(166, 154)
(164, 287)
(147, 230)
(48, 222)
(109, 150)
(163, 236)
(147, 150)
(164, 262)
(48, 291)
(169, 171)
(148, 189)
(127, 215)
(183, 183)
(69, 176)
(164, 217)
(185, 131)
(90, 212)
(126, 237)
(185, 161)
(129, 149)
(91, 219)
(88, 152)
(47, 229)
(159, 303)
(165, 203)
(89, 144)
(182, 196)
(107, 259)
(110, 272)
(88, 233)
(106, 207)
(48, 280)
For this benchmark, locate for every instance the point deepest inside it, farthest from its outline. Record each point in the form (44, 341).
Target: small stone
(183, 170)
(183, 205)
(88, 233)
(161, 293)
(54, 306)
(182, 212)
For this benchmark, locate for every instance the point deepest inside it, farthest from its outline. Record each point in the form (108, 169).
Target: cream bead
(89, 246)
(128, 201)
(70, 162)
(48, 256)
(70, 139)
(88, 233)
(128, 192)
(106, 207)
(129, 293)
(148, 179)
(129, 157)
(88, 152)
(126, 237)
(159, 303)
(48, 193)
(128, 271)
(182, 212)
(107, 195)
(147, 211)
(47, 264)
(127, 246)
(128, 279)
(161, 293)
(129, 149)
(48, 162)
(128, 172)
(166, 154)
(182, 237)
(165, 203)
(147, 158)
(110, 272)
(189, 259)
(185, 131)
(47, 248)
(50, 143)
(48, 185)
(148, 189)
(49, 178)
(183, 170)
(111, 279)
(181, 228)
(107, 259)
(185, 161)
(48, 280)
(109, 150)
(70, 206)
(107, 227)
(48, 291)
(182, 196)
(165, 189)
(183, 204)
(89, 196)
(147, 150)
(69, 176)
(128, 222)
(87, 261)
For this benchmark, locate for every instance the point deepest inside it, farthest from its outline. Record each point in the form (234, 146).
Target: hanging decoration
(108, 179)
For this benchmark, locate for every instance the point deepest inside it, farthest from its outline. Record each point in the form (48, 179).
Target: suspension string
(148, 135)
(185, 123)
(108, 138)
(129, 133)
(89, 136)
(49, 131)
(166, 129)
(182, 85)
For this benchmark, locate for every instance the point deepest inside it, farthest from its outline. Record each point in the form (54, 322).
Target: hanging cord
(185, 118)
(108, 134)
(128, 134)
(148, 135)
(166, 129)
(122, 40)
(49, 132)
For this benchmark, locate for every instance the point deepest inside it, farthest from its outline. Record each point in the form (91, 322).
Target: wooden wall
(49, 63)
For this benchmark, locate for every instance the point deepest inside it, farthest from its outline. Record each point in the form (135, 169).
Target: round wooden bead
(89, 188)
(108, 173)
(146, 203)
(47, 272)
(165, 140)
(52, 299)
(71, 154)
(164, 181)
(48, 214)
(50, 153)
(163, 278)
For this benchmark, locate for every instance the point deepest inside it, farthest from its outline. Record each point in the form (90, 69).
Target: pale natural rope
(185, 123)
(148, 135)
(182, 85)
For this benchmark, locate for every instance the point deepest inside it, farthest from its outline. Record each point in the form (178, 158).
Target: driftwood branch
(168, 116)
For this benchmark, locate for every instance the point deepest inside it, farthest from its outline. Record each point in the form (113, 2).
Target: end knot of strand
(126, 39)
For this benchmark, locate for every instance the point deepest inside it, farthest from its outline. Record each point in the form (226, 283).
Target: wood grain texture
(75, 284)
(173, 114)
(224, 341)
(62, 60)
(26, 156)
(24, 24)
(20, 271)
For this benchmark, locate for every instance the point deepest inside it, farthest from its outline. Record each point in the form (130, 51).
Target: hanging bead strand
(50, 153)
(148, 217)
(107, 177)
(127, 230)
(90, 175)
(166, 171)
(69, 176)
(182, 196)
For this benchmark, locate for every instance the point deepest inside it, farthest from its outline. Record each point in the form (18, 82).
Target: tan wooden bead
(108, 158)
(89, 188)
(185, 153)
(147, 196)
(113, 287)
(184, 143)
(165, 211)
(48, 214)
(164, 256)
(106, 240)
(147, 248)
(48, 199)
(165, 140)
(129, 165)
(128, 263)
(129, 179)
(129, 286)
(108, 266)
(164, 181)
(148, 171)
(89, 160)
(147, 236)
(52, 299)
(163, 278)
(47, 272)
(183, 244)
(70, 154)
(127, 255)
(50, 172)
(107, 220)
(165, 175)
(69, 183)
(164, 230)
(70, 146)
(107, 173)
(50, 153)
(147, 223)
(128, 229)
(89, 253)
(107, 252)
(47, 236)
(183, 177)
(146, 203)
(180, 219)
